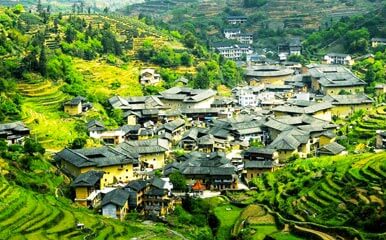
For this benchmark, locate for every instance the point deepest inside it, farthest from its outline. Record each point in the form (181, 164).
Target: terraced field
(366, 127)
(27, 215)
(42, 112)
(343, 196)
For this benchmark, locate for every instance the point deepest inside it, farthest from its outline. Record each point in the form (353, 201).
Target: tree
(70, 34)
(78, 143)
(232, 75)
(32, 146)
(186, 59)
(117, 115)
(178, 181)
(190, 40)
(43, 62)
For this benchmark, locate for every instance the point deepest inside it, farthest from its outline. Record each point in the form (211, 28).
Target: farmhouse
(375, 42)
(345, 105)
(117, 166)
(268, 74)
(115, 204)
(185, 98)
(76, 106)
(14, 133)
(236, 19)
(150, 153)
(86, 184)
(148, 76)
(334, 80)
(212, 169)
(338, 58)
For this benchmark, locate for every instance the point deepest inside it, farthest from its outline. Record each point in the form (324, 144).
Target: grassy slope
(100, 77)
(227, 214)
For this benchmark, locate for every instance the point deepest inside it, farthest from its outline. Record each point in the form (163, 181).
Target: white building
(338, 58)
(234, 52)
(236, 20)
(246, 97)
(232, 33)
(149, 77)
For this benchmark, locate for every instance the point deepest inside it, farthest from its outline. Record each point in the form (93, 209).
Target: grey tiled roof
(187, 94)
(335, 76)
(258, 164)
(87, 179)
(117, 197)
(349, 99)
(332, 148)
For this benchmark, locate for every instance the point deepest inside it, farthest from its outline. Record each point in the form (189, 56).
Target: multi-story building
(233, 51)
(338, 58)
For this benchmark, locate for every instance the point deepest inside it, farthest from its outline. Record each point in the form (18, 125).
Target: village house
(137, 189)
(291, 47)
(115, 204)
(225, 106)
(236, 34)
(158, 199)
(380, 139)
(234, 20)
(331, 149)
(346, 105)
(334, 80)
(185, 98)
(76, 106)
(175, 128)
(233, 51)
(95, 128)
(85, 184)
(380, 89)
(320, 110)
(338, 58)
(258, 161)
(182, 81)
(267, 74)
(14, 133)
(149, 154)
(213, 170)
(298, 135)
(231, 33)
(148, 76)
(375, 42)
(117, 166)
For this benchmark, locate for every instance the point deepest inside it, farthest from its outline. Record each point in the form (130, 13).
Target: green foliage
(255, 143)
(254, 3)
(117, 116)
(208, 75)
(232, 75)
(32, 146)
(178, 181)
(78, 143)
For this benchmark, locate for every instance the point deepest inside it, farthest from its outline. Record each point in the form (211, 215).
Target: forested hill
(269, 21)
(68, 6)
(349, 35)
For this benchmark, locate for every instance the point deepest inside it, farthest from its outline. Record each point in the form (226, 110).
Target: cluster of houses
(237, 44)
(221, 141)
(283, 112)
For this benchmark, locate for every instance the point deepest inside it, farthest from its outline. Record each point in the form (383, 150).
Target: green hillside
(28, 215)
(340, 196)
